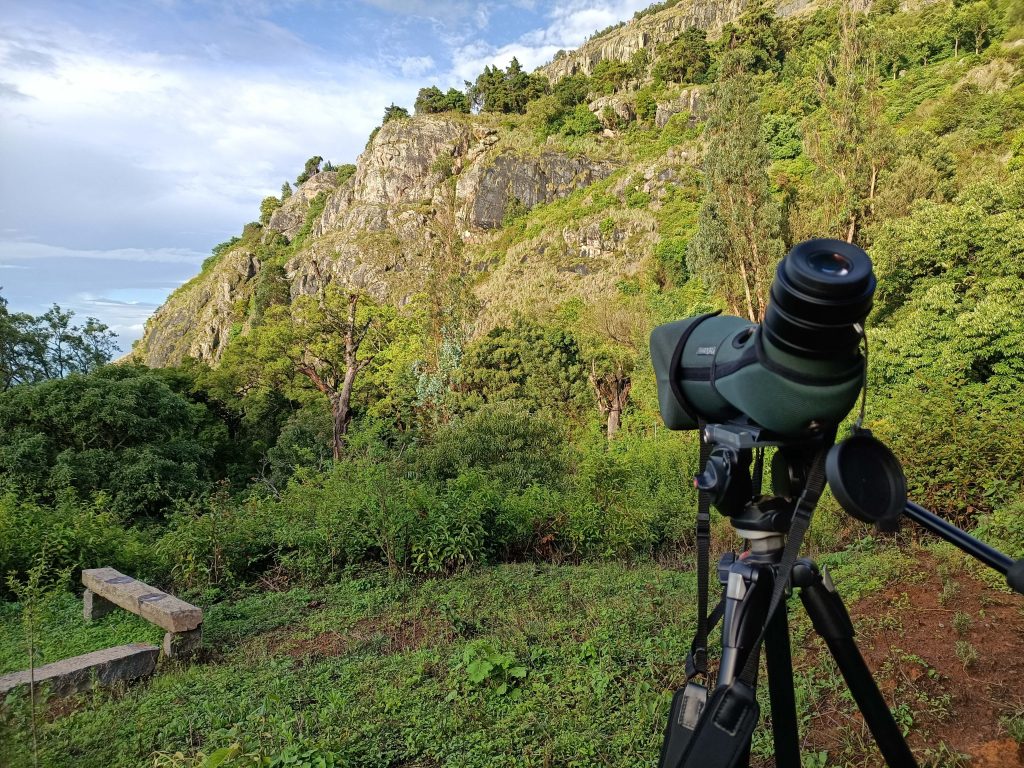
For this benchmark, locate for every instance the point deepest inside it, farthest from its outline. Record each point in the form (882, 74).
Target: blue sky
(135, 136)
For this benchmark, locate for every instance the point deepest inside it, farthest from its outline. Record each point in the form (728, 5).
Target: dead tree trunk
(612, 390)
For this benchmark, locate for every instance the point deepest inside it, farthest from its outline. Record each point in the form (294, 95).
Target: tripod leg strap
(699, 648)
(691, 658)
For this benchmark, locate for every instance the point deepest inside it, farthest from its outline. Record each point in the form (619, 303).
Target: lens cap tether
(867, 480)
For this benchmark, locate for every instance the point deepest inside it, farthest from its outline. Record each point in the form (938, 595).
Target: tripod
(748, 581)
(753, 609)
(704, 732)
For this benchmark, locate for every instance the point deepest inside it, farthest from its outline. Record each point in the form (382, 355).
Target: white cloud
(34, 252)
(414, 66)
(172, 137)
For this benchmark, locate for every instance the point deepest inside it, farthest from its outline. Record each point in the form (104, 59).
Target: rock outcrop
(196, 321)
(511, 179)
(654, 29)
(289, 218)
(688, 101)
(420, 181)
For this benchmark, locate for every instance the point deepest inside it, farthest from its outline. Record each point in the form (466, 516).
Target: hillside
(399, 191)
(400, 438)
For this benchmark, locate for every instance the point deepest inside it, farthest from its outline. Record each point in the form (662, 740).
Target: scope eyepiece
(822, 290)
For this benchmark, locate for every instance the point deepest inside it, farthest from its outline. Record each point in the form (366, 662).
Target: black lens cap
(867, 480)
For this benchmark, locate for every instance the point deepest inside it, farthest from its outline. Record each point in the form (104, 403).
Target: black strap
(699, 647)
(691, 658)
(797, 529)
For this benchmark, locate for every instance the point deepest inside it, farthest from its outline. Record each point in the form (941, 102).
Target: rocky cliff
(419, 180)
(654, 29)
(431, 183)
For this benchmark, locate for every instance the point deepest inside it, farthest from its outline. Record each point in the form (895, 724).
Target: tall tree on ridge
(738, 237)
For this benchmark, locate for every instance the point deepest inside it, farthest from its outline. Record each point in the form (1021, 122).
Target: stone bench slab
(125, 662)
(157, 607)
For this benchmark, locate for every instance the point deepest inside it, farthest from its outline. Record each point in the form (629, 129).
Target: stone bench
(77, 674)
(106, 588)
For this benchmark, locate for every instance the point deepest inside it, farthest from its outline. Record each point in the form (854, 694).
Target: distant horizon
(140, 135)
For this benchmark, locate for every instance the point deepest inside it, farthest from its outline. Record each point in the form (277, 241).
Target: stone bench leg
(94, 606)
(183, 645)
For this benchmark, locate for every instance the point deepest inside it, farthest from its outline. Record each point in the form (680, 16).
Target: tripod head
(732, 475)
(864, 475)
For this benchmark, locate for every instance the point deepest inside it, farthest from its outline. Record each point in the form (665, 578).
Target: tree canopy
(49, 346)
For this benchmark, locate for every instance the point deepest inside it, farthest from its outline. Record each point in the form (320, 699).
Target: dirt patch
(946, 653)
(384, 634)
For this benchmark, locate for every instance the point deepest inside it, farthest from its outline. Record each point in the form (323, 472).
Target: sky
(137, 134)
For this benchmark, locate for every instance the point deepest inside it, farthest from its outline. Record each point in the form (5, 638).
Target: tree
(20, 348)
(847, 137)
(433, 100)
(73, 348)
(126, 430)
(613, 330)
(267, 208)
(580, 122)
(286, 191)
(572, 90)
(738, 237)
(327, 340)
(534, 366)
(686, 59)
(395, 112)
(35, 349)
(976, 22)
(509, 91)
(755, 39)
(311, 168)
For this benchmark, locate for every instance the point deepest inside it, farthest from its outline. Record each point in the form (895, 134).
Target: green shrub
(503, 442)
(218, 543)
(1003, 528)
(73, 535)
(580, 122)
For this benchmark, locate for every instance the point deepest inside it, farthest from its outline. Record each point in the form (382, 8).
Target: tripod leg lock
(827, 611)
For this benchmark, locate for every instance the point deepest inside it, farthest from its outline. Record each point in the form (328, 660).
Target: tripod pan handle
(1015, 576)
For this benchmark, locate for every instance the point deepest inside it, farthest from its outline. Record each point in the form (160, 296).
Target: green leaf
(479, 670)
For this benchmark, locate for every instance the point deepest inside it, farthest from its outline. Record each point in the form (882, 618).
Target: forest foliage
(341, 431)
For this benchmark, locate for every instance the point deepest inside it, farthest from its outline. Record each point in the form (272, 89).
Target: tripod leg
(832, 622)
(779, 662)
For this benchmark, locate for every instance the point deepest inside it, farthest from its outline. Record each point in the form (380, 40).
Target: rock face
(289, 218)
(196, 321)
(528, 181)
(648, 32)
(421, 183)
(687, 101)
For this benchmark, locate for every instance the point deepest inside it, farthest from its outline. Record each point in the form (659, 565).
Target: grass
(66, 633)
(377, 672)
(515, 664)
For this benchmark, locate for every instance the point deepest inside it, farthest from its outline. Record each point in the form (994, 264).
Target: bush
(72, 535)
(1004, 528)
(516, 448)
(218, 543)
(580, 122)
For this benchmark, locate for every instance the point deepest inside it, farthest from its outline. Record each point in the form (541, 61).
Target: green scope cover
(726, 369)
